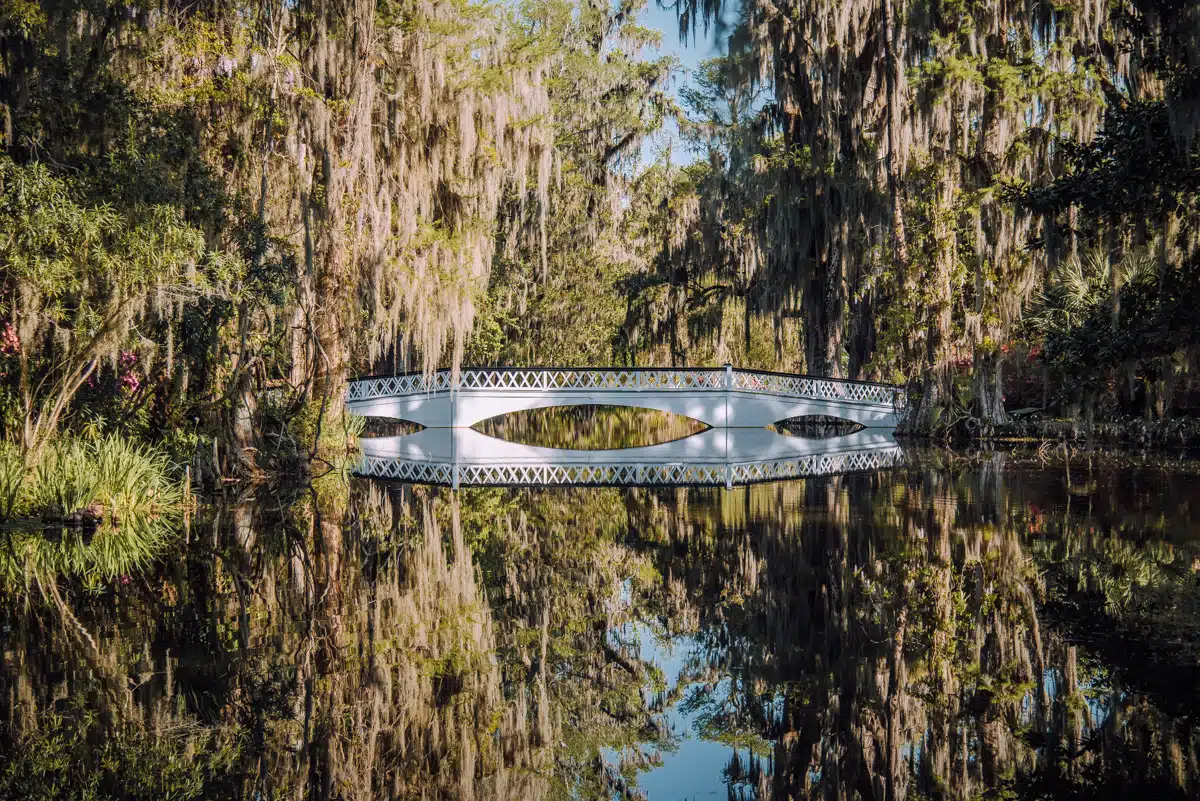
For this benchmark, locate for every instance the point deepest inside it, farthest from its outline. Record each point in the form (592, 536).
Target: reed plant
(92, 507)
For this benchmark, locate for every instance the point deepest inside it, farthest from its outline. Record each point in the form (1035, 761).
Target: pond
(963, 625)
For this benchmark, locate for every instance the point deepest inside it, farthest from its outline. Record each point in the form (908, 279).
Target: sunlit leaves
(89, 508)
(81, 279)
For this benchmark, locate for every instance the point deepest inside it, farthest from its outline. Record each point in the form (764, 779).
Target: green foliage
(162, 195)
(92, 508)
(81, 281)
(56, 245)
(555, 294)
(1099, 317)
(331, 437)
(1135, 167)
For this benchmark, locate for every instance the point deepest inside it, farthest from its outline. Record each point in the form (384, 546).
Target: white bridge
(719, 398)
(718, 456)
(737, 405)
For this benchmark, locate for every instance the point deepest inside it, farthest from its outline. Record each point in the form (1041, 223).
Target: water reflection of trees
(898, 635)
(590, 427)
(341, 649)
(886, 637)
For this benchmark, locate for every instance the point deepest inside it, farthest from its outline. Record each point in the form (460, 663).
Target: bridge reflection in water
(718, 456)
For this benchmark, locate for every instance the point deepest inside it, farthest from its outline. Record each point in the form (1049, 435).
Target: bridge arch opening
(816, 426)
(388, 427)
(587, 426)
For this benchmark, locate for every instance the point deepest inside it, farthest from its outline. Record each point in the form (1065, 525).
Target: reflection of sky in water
(695, 769)
(718, 601)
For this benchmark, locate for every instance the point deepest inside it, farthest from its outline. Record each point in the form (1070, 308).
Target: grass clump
(90, 507)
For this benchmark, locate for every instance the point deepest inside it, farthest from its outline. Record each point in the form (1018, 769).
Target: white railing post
(728, 391)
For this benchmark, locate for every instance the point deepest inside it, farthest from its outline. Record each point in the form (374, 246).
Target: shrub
(93, 507)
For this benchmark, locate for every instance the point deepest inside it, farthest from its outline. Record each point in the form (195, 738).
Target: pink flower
(129, 377)
(9, 341)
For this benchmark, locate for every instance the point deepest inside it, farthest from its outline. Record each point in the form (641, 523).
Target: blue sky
(690, 55)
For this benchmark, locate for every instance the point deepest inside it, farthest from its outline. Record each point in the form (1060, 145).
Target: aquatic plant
(92, 507)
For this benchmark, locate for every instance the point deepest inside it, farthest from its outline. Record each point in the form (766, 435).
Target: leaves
(1134, 167)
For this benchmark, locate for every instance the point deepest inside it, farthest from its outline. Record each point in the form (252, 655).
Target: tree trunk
(988, 388)
(824, 300)
(892, 44)
(895, 688)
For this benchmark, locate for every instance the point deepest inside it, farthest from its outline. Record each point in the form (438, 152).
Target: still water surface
(964, 626)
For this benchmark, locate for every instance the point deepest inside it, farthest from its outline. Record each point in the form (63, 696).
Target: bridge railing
(716, 379)
(390, 386)
(627, 474)
(600, 378)
(543, 379)
(814, 387)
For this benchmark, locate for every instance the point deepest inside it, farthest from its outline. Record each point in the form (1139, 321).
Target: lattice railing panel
(418, 384)
(409, 472)
(633, 380)
(623, 474)
(811, 387)
(398, 386)
(592, 379)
